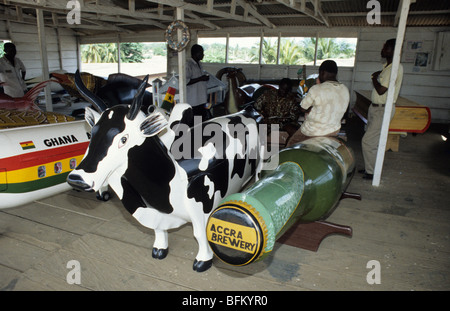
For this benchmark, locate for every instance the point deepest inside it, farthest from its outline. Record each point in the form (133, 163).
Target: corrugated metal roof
(116, 16)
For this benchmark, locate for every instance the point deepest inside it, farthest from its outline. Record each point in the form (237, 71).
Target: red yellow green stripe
(23, 173)
(51, 169)
(44, 156)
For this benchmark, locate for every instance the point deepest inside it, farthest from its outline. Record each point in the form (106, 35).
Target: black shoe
(368, 176)
(363, 171)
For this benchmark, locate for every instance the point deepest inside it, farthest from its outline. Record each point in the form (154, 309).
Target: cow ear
(91, 116)
(153, 124)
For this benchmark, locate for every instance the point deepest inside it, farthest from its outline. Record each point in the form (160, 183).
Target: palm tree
(326, 48)
(269, 52)
(99, 53)
(290, 53)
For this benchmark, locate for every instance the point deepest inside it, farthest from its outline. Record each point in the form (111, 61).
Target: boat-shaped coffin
(35, 160)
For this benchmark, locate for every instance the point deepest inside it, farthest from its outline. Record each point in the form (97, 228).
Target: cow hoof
(160, 253)
(201, 266)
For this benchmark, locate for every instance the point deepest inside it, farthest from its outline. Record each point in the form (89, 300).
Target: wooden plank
(28, 231)
(8, 278)
(89, 205)
(96, 275)
(174, 268)
(58, 218)
(36, 280)
(19, 255)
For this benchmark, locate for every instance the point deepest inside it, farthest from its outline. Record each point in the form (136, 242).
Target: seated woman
(280, 107)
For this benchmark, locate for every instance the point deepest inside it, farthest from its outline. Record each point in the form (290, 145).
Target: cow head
(114, 132)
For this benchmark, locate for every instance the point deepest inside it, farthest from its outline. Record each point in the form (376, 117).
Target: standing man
(196, 78)
(380, 81)
(324, 105)
(12, 72)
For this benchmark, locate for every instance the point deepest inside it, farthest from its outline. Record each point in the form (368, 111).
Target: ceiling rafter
(204, 10)
(253, 11)
(111, 14)
(301, 7)
(204, 22)
(318, 11)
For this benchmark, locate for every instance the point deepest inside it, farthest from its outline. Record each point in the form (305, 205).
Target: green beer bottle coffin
(305, 187)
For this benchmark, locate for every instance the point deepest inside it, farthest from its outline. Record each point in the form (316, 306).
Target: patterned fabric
(278, 110)
(92, 83)
(329, 102)
(15, 118)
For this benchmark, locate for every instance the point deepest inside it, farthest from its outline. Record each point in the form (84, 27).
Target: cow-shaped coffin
(168, 172)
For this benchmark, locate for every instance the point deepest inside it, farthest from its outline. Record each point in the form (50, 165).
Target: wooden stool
(393, 140)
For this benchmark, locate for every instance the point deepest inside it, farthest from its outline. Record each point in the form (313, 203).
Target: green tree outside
(214, 53)
(131, 52)
(1, 48)
(293, 51)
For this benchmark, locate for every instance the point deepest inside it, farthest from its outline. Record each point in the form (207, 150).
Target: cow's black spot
(199, 191)
(149, 172)
(131, 199)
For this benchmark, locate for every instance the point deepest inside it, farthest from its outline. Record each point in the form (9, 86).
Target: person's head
(9, 49)
(285, 87)
(197, 52)
(388, 49)
(328, 71)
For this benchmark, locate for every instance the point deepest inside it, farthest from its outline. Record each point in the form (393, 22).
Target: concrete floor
(404, 225)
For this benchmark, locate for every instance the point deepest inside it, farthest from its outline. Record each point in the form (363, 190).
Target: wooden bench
(409, 117)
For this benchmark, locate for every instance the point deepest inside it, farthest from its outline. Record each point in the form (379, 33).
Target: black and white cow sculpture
(168, 172)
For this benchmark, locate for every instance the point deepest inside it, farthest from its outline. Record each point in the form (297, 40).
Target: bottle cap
(236, 233)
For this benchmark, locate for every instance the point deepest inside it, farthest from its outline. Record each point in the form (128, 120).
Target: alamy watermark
(236, 141)
(374, 275)
(374, 16)
(74, 275)
(74, 15)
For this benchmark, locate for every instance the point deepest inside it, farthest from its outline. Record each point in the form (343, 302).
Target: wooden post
(119, 52)
(391, 91)
(44, 60)
(181, 62)
(227, 43)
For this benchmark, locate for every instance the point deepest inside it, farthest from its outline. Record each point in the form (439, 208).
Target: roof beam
(204, 10)
(253, 11)
(50, 5)
(201, 21)
(318, 11)
(301, 7)
(109, 13)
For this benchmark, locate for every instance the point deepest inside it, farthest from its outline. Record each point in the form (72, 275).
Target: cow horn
(137, 100)
(88, 95)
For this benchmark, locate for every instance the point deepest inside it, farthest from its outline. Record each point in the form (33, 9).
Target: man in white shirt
(196, 89)
(12, 72)
(380, 81)
(324, 106)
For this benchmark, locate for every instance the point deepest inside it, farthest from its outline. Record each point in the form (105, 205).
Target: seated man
(280, 107)
(324, 106)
